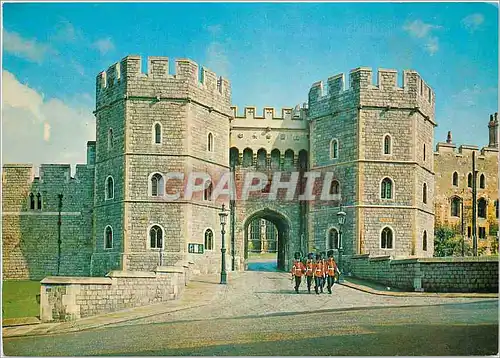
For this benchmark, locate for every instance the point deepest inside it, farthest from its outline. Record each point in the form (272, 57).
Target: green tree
(448, 243)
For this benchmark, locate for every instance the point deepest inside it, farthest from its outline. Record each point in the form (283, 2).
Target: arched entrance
(280, 224)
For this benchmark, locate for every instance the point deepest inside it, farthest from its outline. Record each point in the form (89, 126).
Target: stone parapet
(70, 298)
(455, 274)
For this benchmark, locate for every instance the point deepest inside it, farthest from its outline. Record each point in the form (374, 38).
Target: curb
(419, 294)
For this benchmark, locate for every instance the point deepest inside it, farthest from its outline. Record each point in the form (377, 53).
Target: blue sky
(271, 52)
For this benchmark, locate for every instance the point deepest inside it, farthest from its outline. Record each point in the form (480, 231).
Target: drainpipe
(60, 196)
(474, 204)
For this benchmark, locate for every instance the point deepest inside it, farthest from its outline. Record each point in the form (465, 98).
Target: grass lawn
(19, 299)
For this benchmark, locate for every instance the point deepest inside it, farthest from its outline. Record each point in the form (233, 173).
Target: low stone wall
(457, 274)
(69, 298)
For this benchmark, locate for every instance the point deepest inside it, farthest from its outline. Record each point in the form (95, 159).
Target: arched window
(110, 188)
(386, 189)
(210, 142)
(333, 239)
(455, 179)
(32, 201)
(424, 152)
(455, 206)
(424, 241)
(157, 185)
(303, 159)
(482, 181)
(387, 144)
(158, 133)
(469, 180)
(155, 237)
(275, 159)
(386, 238)
(247, 157)
(261, 158)
(110, 139)
(209, 239)
(39, 201)
(334, 149)
(234, 155)
(289, 158)
(424, 193)
(108, 237)
(207, 193)
(334, 187)
(481, 208)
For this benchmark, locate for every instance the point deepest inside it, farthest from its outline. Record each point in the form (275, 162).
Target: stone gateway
(370, 142)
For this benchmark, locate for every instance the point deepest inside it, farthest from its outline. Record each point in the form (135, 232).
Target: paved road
(258, 313)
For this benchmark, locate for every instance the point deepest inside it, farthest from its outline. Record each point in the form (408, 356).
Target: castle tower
(493, 131)
(150, 125)
(376, 140)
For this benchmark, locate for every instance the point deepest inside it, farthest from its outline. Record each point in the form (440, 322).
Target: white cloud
(432, 45)
(30, 50)
(473, 21)
(216, 56)
(38, 131)
(419, 29)
(104, 45)
(217, 59)
(46, 131)
(65, 31)
(423, 32)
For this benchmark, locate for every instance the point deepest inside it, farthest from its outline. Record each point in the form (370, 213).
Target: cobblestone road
(258, 313)
(266, 292)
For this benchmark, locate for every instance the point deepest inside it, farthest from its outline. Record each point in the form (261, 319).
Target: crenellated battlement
(45, 173)
(286, 113)
(361, 88)
(127, 78)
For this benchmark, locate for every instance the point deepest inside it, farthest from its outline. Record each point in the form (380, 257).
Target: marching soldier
(309, 271)
(319, 274)
(323, 259)
(331, 270)
(298, 269)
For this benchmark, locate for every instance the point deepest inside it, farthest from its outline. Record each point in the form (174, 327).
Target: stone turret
(493, 131)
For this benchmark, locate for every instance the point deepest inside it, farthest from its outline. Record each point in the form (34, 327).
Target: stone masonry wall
(65, 298)
(448, 160)
(30, 236)
(428, 274)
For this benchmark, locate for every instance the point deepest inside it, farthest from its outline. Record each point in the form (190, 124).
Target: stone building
(369, 144)
(454, 181)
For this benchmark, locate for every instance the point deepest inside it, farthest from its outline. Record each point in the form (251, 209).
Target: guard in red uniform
(309, 271)
(298, 269)
(323, 259)
(330, 270)
(319, 274)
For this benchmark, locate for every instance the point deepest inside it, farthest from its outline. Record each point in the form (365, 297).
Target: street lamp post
(223, 220)
(341, 219)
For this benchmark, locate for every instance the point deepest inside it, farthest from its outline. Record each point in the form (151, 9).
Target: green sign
(195, 248)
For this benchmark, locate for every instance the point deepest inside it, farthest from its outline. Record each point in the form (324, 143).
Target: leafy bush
(447, 243)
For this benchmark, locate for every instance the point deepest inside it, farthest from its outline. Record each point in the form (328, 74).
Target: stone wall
(465, 274)
(69, 298)
(30, 236)
(448, 159)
